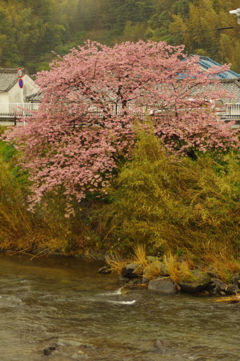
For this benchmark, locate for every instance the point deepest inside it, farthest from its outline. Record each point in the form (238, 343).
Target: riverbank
(168, 274)
(172, 207)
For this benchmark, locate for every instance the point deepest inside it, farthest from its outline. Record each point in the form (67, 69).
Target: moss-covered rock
(196, 281)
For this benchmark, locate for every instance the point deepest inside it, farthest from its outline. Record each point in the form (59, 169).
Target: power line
(226, 28)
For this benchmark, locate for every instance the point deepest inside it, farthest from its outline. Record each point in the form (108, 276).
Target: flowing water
(61, 309)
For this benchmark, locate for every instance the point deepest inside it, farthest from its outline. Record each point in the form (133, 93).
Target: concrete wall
(4, 98)
(15, 94)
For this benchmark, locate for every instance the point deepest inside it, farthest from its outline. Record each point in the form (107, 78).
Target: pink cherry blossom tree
(90, 100)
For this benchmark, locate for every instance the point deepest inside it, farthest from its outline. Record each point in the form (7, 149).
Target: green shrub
(170, 204)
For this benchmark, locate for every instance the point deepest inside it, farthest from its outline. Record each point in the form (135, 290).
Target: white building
(13, 98)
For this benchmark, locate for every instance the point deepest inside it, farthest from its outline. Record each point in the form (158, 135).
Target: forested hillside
(30, 30)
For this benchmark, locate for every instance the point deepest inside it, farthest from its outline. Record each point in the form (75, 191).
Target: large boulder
(195, 282)
(162, 285)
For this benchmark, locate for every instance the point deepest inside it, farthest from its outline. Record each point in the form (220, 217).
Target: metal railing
(231, 111)
(19, 109)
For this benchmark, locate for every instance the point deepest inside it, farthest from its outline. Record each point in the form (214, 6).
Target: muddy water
(61, 309)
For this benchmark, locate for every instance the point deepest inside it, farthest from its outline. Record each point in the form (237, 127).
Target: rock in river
(195, 282)
(162, 285)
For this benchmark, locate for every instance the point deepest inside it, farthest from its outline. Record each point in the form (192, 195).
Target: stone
(195, 282)
(79, 356)
(162, 285)
(129, 270)
(216, 286)
(232, 289)
(211, 286)
(135, 282)
(123, 279)
(145, 280)
(222, 293)
(48, 350)
(236, 279)
(161, 346)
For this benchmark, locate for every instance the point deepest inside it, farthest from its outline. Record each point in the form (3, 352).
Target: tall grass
(15, 221)
(45, 230)
(172, 204)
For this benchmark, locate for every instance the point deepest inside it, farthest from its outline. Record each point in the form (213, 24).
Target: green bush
(47, 229)
(174, 204)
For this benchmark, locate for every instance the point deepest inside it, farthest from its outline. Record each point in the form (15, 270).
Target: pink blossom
(91, 99)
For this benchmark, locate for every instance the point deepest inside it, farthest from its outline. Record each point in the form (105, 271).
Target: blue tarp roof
(207, 63)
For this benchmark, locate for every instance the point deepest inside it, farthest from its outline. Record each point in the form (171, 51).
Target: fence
(230, 112)
(19, 109)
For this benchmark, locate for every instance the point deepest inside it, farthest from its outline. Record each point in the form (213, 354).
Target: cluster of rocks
(196, 281)
(70, 349)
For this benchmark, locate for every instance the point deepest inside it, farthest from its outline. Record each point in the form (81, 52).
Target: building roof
(232, 86)
(207, 63)
(34, 98)
(8, 78)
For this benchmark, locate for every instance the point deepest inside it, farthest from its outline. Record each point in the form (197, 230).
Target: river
(61, 309)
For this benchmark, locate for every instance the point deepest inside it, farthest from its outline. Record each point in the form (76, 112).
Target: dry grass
(46, 231)
(223, 263)
(140, 256)
(16, 223)
(153, 270)
(175, 268)
(115, 263)
(172, 265)
(228, 299)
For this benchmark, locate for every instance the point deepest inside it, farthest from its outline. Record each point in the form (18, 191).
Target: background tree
(199, 30)
(90, 101)
(27, 32)
(30, 31)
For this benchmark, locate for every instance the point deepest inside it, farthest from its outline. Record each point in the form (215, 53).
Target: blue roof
(207, 63)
